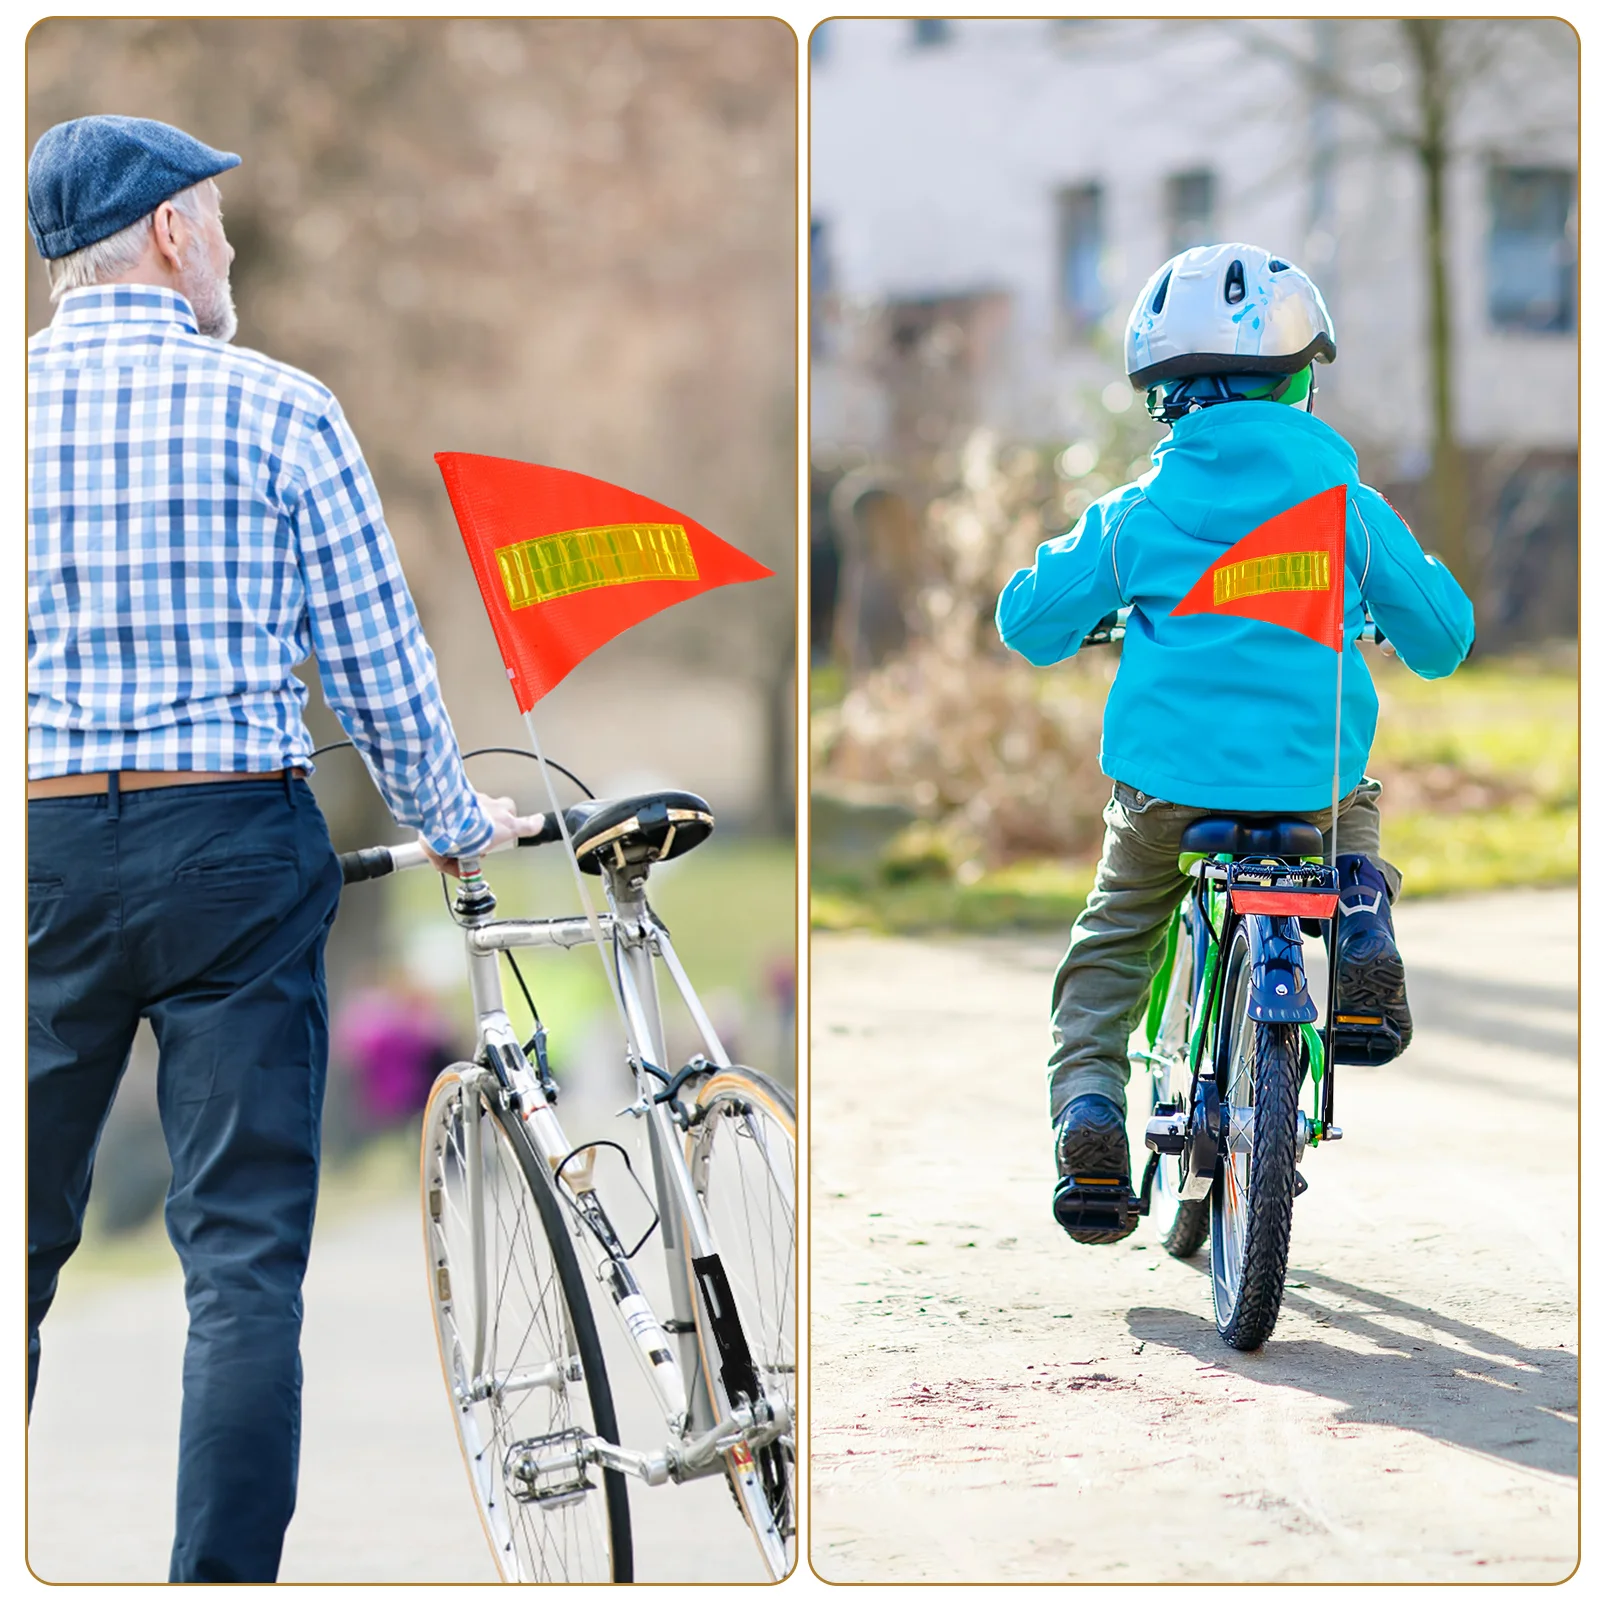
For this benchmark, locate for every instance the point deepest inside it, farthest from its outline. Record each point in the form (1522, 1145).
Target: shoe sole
(1375, 987)
(1094, 1151)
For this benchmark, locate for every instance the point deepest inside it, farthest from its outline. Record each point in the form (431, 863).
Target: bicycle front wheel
(741, 1157)
(1252, 1201)
(541, 1386)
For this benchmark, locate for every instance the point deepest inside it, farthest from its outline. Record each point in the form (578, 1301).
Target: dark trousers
(205, 909)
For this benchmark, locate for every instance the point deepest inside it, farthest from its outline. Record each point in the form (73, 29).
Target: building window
(1190, 199)
(926, 32)
(1081, 293)
(1531, 251)
(820, 42)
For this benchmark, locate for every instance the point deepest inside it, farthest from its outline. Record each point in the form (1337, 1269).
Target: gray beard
(212, 299)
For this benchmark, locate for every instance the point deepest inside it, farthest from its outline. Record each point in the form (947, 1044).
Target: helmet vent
(1233, 283)
(1275, 265)
(1161, 296)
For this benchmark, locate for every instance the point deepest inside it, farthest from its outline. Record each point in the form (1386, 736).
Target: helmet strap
(1166, 404)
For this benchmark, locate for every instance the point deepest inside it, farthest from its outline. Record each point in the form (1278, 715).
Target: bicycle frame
(1276, 938)
(633, 939)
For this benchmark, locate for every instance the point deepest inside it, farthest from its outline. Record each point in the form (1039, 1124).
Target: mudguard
(1278, 988)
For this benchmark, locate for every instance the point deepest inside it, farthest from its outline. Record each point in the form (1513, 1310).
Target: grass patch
(1504, 724)
(1480, 773)
(1478, 850)
(1030, 894)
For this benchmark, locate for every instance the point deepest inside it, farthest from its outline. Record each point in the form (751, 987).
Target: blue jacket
(1224, 711)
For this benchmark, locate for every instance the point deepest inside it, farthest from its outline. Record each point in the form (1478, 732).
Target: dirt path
(991, 1401)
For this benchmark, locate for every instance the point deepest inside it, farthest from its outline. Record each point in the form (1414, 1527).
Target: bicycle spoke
(528, 1329)
(743, 1163)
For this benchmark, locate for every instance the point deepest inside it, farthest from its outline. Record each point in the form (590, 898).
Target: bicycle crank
(551, 1470)
(1196, 1139)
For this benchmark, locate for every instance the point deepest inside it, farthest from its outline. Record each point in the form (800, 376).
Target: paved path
(991, 1401)
(383, 1494)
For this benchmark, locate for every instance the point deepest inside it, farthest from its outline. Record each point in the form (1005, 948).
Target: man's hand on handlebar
(507, 826)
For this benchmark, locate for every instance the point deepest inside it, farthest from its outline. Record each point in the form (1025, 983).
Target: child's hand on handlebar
(508, 825)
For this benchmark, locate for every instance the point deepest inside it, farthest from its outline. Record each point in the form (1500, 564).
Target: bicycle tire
(539, 1301)
(1252, 1200)
(749, 1195)
(1182, 1225)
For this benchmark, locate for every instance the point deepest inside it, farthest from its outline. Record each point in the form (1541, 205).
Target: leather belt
(77, 783)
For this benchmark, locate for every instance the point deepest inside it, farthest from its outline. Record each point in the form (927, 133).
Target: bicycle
(510, 1206)
(1232, 1048)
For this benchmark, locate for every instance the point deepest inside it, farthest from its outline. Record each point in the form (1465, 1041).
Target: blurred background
(564, 241)
(987, 199)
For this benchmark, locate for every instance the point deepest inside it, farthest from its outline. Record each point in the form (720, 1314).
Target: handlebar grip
(549, 829)
(359, 865)
(1110, 629)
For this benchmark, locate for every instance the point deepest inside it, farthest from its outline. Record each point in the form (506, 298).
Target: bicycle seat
(1252, 836)
(644, 827)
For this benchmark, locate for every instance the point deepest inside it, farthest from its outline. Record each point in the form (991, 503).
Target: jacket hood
(1228, 468)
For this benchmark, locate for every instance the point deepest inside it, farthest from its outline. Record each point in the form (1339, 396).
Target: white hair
(117, 252)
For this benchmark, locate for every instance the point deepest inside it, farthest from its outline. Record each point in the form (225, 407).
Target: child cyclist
(1218, 712)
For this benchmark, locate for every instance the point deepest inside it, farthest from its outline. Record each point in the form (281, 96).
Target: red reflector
(1284, 902)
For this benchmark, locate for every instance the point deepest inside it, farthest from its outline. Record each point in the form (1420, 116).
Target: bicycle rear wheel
(1252, 1201)
(1181, 1224)
(741, 1154)
(543, 1375)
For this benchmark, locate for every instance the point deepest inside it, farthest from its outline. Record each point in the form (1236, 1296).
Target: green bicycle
(1240, 1078)
(1232, 1050)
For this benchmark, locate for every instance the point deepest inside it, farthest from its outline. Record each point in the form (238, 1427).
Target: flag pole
(583, 893)
(1333, 861)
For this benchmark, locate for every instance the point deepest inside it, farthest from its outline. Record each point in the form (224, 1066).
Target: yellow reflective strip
(595, 558)
(1295, 571)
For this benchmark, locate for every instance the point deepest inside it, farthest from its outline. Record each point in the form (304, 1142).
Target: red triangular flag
(1289, 571)
(566, 562)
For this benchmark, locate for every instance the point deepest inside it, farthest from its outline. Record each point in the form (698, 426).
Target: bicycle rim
(741, 1157)
(1253, 1197)
(538, 1318)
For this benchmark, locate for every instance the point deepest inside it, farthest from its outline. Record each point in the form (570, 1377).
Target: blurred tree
(1456, 65)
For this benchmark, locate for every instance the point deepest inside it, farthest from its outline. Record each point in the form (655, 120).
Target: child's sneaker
(1094, 1198)
(1372, 1021)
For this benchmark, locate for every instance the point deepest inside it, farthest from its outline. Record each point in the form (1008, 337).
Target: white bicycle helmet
(1232, 308)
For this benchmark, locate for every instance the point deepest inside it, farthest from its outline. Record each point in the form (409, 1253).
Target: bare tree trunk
(1447, 483)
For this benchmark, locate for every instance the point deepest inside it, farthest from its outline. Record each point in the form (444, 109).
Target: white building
(1019, 180)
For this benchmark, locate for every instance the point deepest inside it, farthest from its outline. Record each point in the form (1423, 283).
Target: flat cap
(91, 176)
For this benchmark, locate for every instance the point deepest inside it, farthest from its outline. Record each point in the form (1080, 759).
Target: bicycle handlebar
(378, 861)
(1110, 629)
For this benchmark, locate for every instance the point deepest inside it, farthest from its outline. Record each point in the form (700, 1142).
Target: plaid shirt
(199, 521)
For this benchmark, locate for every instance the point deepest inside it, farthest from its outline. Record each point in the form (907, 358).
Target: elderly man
(200, 519)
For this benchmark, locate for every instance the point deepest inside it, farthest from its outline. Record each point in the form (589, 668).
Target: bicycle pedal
(1097, 1210)
(1363, 1040)
(549, 1471)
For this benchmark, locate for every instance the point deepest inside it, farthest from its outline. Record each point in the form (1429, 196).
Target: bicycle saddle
(644, 827)
(1252, 836)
